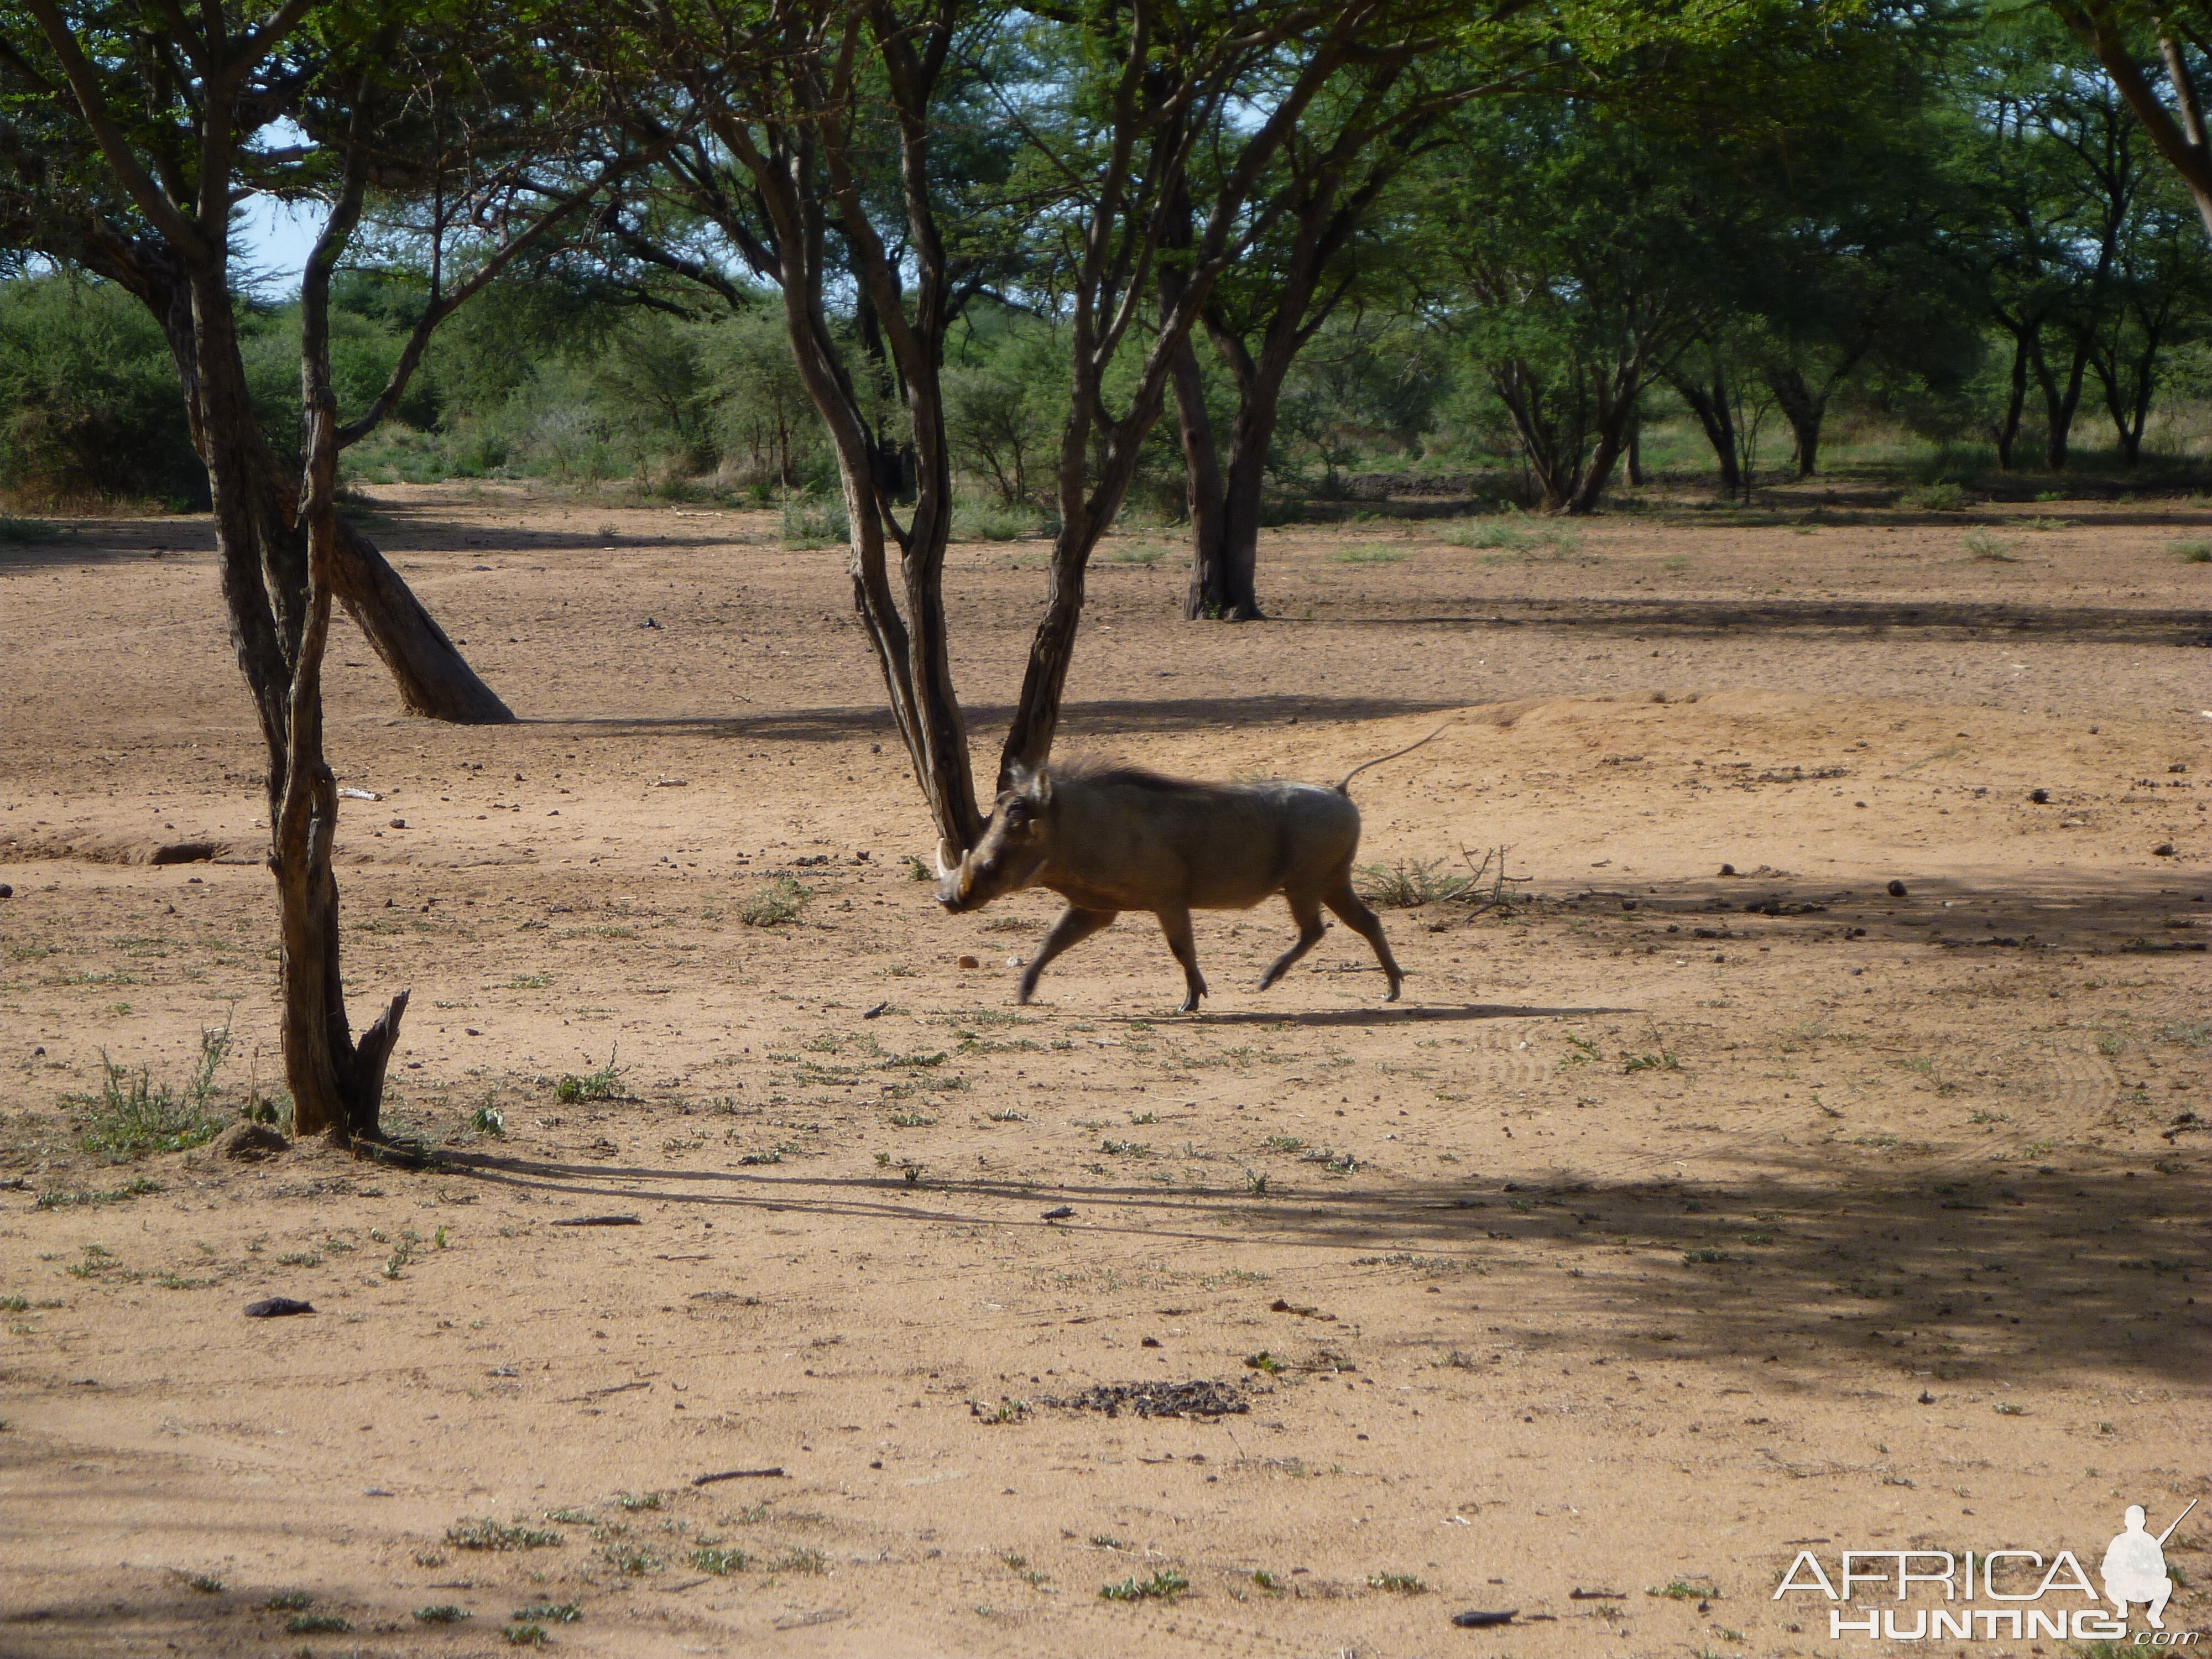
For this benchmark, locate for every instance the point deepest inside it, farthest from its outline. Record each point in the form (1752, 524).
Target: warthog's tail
(1345, 789)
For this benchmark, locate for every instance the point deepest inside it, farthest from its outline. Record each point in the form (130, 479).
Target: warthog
(1109, 838)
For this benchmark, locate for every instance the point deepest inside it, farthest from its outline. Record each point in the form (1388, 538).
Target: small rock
(1728, 869)
(870, 1013)
(1149, 1342)
(277, 1306)
(648, 622)
(1897, 890)
(1059, 1214)
(248, 1142)
(6, 892)
(399, 823)
(969, 962)
(2163, 850)
(1474, 1618)
(2040, 797)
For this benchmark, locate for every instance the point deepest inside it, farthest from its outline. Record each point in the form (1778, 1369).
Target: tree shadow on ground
(2154, 912)
(1728, 618)
(1952, 1276)
(1110, 717)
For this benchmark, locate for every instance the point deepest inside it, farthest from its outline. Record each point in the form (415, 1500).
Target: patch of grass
(564, 1613)
(1693, 1258)
(2006, 1408)
(1369, 553)
(632, 1559)
(528, 982)
(1401, 1584)
(288, 1601)
(774, 904)
(719, 1561)
(525, 1635)
(2040, 523)
(1164, 1585)
(1144, 554)
(489, 1120)
(137, 1187)
(2188, 1034)
(1942, 497)
(19, 531)
(1409, 882)
(1683, 1589)
(986, 521)
(1981, 545)
(1516, 534)
(605, 1084)
(801, 1560)
(809, 521)
(444, 1614)
(2192, 552)
(206, 1583)
(132, 1116)
(635, 1501)
(490, 1534)
(302, 1623)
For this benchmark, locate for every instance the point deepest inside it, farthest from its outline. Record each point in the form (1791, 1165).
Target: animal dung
(1897, 890)
(969, 962)
(277, 1306)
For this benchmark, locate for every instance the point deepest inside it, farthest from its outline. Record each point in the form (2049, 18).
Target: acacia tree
(179, 110)
(1330, 175)
(61, 197)
(1115, 106)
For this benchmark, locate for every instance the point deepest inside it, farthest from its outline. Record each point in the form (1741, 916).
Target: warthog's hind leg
(1305, 910)
(1075, 924)
(1175, 924)
(1362, 920)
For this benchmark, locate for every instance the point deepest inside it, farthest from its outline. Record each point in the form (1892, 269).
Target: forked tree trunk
(1716, 415)
(434, 679)
(2061, 401)
(279, 601)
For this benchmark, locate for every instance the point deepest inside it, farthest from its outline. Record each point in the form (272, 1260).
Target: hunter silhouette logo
(2133, 1570)
(2135, 1566)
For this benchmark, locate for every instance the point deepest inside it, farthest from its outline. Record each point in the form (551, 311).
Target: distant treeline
(1951, 234)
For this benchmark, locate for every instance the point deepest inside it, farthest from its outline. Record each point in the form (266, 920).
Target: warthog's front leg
(1356, 916)
(1305, 910)
(1075, 924)
(1175, 924)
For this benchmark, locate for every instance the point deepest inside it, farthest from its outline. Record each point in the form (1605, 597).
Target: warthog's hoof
(1391, 995)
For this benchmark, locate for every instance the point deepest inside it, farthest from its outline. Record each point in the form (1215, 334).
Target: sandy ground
(1652, 1238)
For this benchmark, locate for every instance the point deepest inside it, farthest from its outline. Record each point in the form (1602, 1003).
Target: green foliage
(490, 1534)
(1164, 1585)
(89, 412)
(132, 1115)
(605, 1084)
(774, 904)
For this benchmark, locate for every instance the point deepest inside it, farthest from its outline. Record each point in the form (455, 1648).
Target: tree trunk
(1208, 598)
(1637, 477)
(2015, 401)
(2059, 404)
(434, 680)
(1226, 538)
(1716, 416)
(279, 601)
(1805, 410)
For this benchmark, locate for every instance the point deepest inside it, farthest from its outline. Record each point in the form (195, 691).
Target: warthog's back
(1125, 839)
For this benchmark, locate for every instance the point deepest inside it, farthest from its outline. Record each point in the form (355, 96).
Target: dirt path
(1675, 1222)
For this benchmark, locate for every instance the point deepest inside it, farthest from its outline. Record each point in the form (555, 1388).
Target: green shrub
(774, 903)
(133, 1116)
(809, 520)
(2194, 552)
(1942, 496)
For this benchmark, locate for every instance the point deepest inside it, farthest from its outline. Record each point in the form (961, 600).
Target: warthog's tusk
(942, 871)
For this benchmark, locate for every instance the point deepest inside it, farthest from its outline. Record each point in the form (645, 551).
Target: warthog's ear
(1034, 787)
